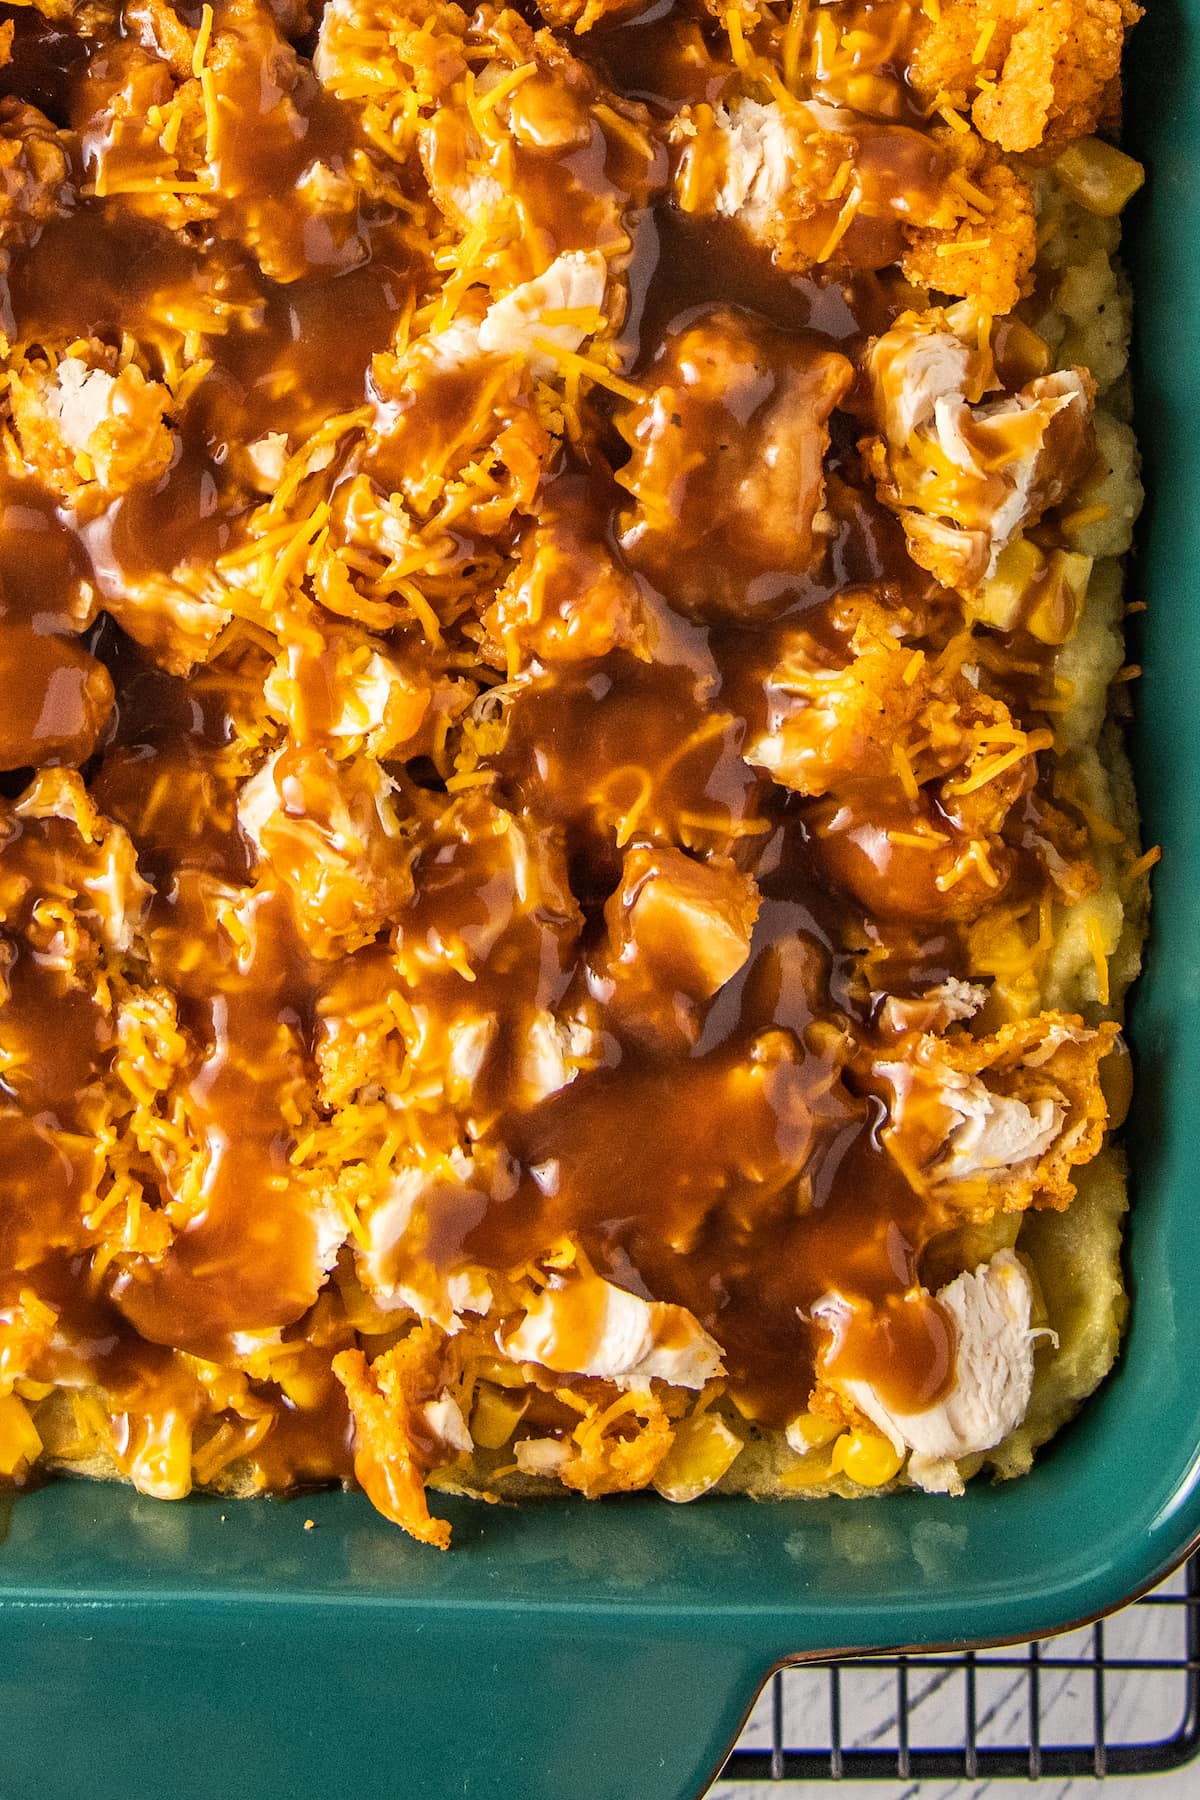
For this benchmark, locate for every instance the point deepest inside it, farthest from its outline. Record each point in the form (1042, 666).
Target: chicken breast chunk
(35, 173)
(91, 429)
(989, 1310)
(587, 1326)
(330, 833)
(965, 473)
(678, 930)
(997, 1123)
(818, 184)
(725, 473)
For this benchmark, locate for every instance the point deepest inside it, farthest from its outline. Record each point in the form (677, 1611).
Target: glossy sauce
(741, 1175)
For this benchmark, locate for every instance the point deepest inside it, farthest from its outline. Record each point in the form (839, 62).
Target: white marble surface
(1140, 1704)
(1178, 1784)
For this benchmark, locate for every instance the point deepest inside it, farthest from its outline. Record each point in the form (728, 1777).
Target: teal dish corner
(609, 1652)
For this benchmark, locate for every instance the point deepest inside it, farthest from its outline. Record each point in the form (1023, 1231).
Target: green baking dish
(604, 1651)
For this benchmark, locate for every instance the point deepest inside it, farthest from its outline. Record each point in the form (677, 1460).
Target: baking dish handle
(135, 1699)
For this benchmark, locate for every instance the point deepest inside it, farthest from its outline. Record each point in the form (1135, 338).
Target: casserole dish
(211, 1647)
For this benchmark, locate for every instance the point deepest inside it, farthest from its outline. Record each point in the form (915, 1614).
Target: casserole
(613, 1651)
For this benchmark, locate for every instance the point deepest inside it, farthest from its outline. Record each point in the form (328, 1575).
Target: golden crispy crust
(1034, 74)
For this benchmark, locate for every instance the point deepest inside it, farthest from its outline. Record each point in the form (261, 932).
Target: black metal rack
(1032, 1711)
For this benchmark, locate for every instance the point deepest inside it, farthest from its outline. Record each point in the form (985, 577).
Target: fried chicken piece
(820, 184)
(835, 711)
(124, 113)
(484, 886)
(963, 473)
(178, 618)
(35, 174)
(997, 1123)
(405, 1425)
(677, 931)
(558, 163)
(90, 429)
(942, 853)
(582, 15)
(359, 696)
(462, 429)
(70, 851)
(725, 470)
(783, 175)
(330, 833)
(408, 1255)
(987, 256)
(459, 433)
(617, 1448)
(569, 598)
(1044, 75)
(416, 46)
(855, 689)
(486, 948)
(918, 771)
(55, 713)
(581, 1324)
(178, 153)
(990, 1311)
(529, 144)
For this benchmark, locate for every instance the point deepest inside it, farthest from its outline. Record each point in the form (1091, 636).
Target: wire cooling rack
(1121, 1697)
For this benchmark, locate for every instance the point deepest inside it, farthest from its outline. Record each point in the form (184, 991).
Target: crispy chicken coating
(997, 1124)
(330, 832)
(834, 713)
(170, 138)
(459, 430)
(617, 1448)
(818, 184)
(1034, 74)
(64, 700)
(863, 704)
(35, 172)
(394, 1445)
(988, 254)
(526, 156)
(92, 429)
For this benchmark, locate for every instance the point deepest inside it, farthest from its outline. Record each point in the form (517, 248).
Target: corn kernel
(1060, 597)
(999, 599)
(865, 1458)
(19, 1441)
(1098, 176)
(500, 1374)
(496, 1415)
(744, 1406)
(161, 1464)
(1023, 349)
(701, 1451)
(33, 1391)
(809, 1431)
(60, 1430)
(874, 94)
